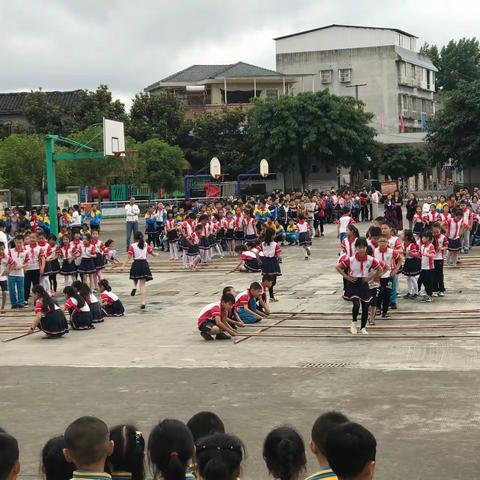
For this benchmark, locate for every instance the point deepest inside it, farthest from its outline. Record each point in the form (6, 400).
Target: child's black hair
(408, 235)
(219, 457)
(323, 425)
(204, 424)
(70, 292)
(361, 242)
(170, 448)
(9, 454)
(138, 237)
(374, 232)
(269, 235)
(255, 286)
(346, 210)
(268, 278)
(86, 438)
(53, 461)
(226, 290)
(47, 302)
(228, 298)
(301, 216)
(354, 230)
(104, 283)
(427, 234)
(349, 448)
(380, 220)
(284, 453)
(129, 451)
(108, 242)
(87, 236)
(82, 289)
(52, 237)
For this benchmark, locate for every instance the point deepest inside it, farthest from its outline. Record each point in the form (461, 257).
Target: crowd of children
(199, 449)
(370, 265)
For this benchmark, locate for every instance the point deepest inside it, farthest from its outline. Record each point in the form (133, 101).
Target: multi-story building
(381, 66)
(212, 88)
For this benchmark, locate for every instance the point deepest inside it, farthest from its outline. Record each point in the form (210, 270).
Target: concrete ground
(419, 396)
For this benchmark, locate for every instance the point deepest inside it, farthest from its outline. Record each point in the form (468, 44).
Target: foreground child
(111, 304)
(212, 319)
(48, 316)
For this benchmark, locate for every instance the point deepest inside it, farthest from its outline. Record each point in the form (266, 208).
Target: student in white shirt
(131, 211)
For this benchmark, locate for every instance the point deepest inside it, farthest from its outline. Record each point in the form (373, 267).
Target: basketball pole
(50, 158)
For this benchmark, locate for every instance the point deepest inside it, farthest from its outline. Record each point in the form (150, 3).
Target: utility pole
(356, 88)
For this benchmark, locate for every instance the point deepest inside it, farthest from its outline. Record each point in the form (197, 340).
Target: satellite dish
(264, 167)
(215, 168)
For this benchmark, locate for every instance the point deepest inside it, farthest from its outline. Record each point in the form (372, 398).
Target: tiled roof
(12, 103)
(197, 73)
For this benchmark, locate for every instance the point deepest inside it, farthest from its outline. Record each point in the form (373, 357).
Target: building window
(326, 76)
(272, 93)
(345, 75)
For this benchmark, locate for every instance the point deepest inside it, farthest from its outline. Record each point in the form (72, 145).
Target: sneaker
(435, 294)
(206, 336)
(427, 299)
(309, 252)
(353, 328)
(363, 331)
(222, 336)
(393, 306)
(441, 294)
(142, 306)
(386, 316)
(306, 257)
(133, 292)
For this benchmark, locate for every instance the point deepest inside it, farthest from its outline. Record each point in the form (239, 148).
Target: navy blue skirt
(68, 268)
(140, 270)
(114, 309)
(304, 239)
(412, 267)
(54, 324)
(270, 266)
(99, 262)
(96, 311)
(87, 265)
(81, 320)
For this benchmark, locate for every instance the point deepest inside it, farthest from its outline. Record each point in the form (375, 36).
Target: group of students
(199, 449)
(370, 265)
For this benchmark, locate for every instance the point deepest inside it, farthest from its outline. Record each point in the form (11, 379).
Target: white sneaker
(435, 294)
(441, 294)
(363, 331)
(427, 299)
(353, 328)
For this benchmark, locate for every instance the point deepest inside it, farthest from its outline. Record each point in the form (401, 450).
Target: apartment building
(380, 66)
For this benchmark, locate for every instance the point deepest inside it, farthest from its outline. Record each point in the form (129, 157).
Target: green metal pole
(51, 184)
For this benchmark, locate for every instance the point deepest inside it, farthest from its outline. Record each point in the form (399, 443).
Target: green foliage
(455, 130)
(163, 164)
(156, 116)
(309, 128)
(221, 135)
(43, 116)
(22, 163)
(457, 61)
(400, 161)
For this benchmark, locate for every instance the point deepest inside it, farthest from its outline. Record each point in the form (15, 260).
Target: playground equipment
(212, 190)
(263, 172)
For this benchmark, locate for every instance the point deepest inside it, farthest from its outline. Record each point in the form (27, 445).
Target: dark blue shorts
(206, 326)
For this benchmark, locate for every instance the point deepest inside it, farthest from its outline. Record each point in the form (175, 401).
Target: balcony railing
(192, 110)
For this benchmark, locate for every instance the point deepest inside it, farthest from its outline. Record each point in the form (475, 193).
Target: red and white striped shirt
(388, 259)
(348, 246)
(453, 228)
(209, 312)
(440, 244)
(139, 253)
(428, 252)
(360, 267)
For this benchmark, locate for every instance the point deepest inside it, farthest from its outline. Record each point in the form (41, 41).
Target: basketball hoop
(264, 169)
(124, 153)
(215, 168)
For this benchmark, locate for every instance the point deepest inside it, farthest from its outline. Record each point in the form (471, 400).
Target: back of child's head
(255, 287)
(105, 284)
(284, 453)
(354, 230)
(351, 449)
(87, 441)
(128, 452)
(323, 425)
(54, 465)
(408, 236)
(228, 289)
(109, 242)
(170, 448)
(427, 234)
(204, 424)
(268, 278)
(228, 298)
(219, 457)
(8, 455)
(346, 210)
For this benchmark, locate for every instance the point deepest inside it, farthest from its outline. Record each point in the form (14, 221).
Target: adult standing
(411, 206)
(131, 212)
(375, 196)
(397, 200)
(76, 223)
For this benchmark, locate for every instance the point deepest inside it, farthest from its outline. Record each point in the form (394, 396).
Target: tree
(163, 164)
(156, 116)
(457, 61)
(22, 164)
(221, 135)
(400, 161)
(455, 130)
(311, 127)
(43, 115)
(93, 106)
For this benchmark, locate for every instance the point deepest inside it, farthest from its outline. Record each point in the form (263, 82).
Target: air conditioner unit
(326, 76)
(345, 75)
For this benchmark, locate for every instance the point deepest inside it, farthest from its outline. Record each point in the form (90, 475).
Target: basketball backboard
(113, 138)
(264, 168)
(215, 168)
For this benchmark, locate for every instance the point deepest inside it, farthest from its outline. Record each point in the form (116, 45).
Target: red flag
(402, 124)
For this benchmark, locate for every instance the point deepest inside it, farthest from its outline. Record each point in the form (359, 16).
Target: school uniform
(95, 308)
(32, 272)
(5, 261)
(90, 475)
(99, 258)
(270, 264)
(151, 229)
(53, 321)
(428, 267)
(87, 254)
(344, 221)
(68, 260)
(468, 222)
(16, 277)
(140, 270)
(430, 218)
(250, 229)
(238, 227)
(412, 267)
(304, 239)
(52, 267)
(172, 233)
(418, 224)
(250, 261)
(228, 225)
(389, 260)
(325, 473)
(206, 317)
(187, 231)
(453, 234)
(395, 244)
(111, 305)
(242, 300)
(439, 242)
(210, 232)
(77, 248)
(80, 317)
(348, 246)
(194, 245)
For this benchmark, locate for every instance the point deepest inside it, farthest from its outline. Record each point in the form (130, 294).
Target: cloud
(58, 44)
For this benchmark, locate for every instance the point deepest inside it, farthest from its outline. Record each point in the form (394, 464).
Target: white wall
(336, 38)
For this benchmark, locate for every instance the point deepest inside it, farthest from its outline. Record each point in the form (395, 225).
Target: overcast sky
(127, 44)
